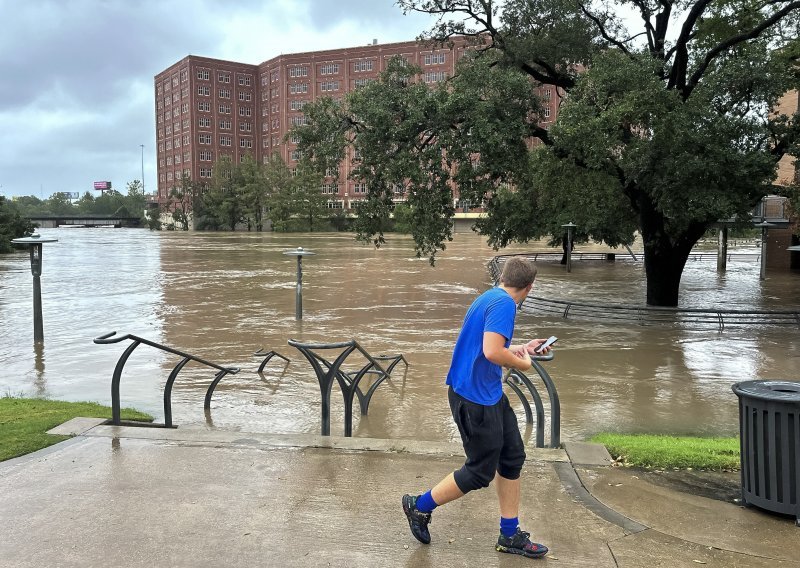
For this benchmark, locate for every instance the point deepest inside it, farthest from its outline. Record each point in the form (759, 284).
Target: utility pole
(142, 146)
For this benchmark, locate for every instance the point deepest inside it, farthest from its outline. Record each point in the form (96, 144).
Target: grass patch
(670, 452)
(25, 421)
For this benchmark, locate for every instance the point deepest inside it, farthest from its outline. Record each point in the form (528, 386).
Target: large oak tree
(665, 126)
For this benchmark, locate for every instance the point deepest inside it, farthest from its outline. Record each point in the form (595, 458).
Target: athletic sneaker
(520, 543)
(417, 520)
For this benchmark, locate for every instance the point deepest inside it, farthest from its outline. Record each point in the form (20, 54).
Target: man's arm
(494, 349)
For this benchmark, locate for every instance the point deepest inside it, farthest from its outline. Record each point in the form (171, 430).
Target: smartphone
(550, 340)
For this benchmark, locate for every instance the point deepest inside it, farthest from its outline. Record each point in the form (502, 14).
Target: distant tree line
(12, 224)
(253, 196)
(111, 203)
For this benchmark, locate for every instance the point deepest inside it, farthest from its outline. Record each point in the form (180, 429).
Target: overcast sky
(76, 95)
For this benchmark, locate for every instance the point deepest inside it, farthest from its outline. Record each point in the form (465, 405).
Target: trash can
(769, 434)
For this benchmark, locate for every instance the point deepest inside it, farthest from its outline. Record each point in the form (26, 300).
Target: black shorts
(491, 439)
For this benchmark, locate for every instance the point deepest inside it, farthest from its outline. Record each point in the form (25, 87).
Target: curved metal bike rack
(186, 358)
(267, 356)
(328, 371)
(514, 378)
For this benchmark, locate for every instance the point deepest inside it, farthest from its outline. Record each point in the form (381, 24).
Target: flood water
(222, 296)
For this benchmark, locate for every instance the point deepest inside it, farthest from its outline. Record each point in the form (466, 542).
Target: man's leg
(508, 495)
(447, 490)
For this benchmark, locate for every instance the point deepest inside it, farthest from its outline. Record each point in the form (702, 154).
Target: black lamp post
(299, 252)
(763, 225)
(569, 226)
(35, 242)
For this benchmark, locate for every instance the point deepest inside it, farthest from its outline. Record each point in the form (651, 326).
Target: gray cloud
(76, 99)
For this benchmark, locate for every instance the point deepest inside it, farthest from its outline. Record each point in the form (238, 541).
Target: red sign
(102, 185)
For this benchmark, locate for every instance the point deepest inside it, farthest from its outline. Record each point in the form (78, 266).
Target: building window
(177, 159)
(224, 93)
(293, 105)
(224, 77)
(547, 112)
(245, 143)
(169, 160)
(204, 138)
(361, 82)
(294, 139)
(244, 80)
(224, 109)
(245, 111)
(175, 112)
(204, 106)
(295, 155)
(204, 122)
(245, 96)
(335, 205)
(363, 65)
(184, 92)
(169, 144)
(184, 108)
(276, 141)
(275, 123)
(327, 86)
(186, 124)
(296, 71)
(360, 187)
(177, 141)
(169, 176)
(205, 172)
(185, 139)
(203, 74)
(225, 124)
(329, 69)
(203, 90)
(274, 93)
(245, 127)
(435, 76)
(299, 120)
(177, 126)
(547, 93)
(187, 157)
(274, 76)
(330, 188)
(298, 88)
(224, 140)
(205, 155)
(169, 129)
(433, 58)
(184, 75)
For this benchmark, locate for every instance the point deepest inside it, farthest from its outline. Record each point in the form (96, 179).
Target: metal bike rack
(267, 356)
(328, 371)
(186, 358)
(514, 378)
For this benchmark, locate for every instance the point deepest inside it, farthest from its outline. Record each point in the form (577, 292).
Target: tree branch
(735, 40)
(603, 31)
(677, 77)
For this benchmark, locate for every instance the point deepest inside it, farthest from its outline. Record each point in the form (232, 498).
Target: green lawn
(650, 450)
(25, 421)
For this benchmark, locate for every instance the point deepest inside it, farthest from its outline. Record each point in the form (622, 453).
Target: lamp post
(142, 146)
(569, 226)
(299, 252)
(763, 225)
(35, 242)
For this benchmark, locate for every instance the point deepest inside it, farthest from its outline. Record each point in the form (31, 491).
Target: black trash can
(769, 433)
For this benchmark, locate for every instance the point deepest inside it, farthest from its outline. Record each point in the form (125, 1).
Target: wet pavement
(137, 496)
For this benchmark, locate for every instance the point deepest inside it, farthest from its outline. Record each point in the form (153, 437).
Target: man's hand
(531, 346)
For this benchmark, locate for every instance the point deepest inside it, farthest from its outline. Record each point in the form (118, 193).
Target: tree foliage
(12, 225)
(664, 126)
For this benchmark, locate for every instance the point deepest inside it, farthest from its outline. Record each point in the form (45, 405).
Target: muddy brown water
(222, 296)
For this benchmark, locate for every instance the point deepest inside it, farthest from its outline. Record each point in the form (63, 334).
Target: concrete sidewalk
(128, 496)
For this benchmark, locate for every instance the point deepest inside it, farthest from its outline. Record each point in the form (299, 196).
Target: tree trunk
(664, 255)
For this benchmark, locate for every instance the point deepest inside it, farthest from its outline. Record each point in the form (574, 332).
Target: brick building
(209, 108)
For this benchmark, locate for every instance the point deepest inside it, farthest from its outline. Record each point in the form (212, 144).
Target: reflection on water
(223, 296)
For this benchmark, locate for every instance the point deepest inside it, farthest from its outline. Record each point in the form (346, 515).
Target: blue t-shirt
(471, 374)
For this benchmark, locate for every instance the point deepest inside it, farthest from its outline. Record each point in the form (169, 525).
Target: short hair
(518, 273)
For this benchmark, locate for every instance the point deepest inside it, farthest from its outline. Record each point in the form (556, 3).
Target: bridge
(72, 220)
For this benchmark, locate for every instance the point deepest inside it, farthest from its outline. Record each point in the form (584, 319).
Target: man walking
(487, 424)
